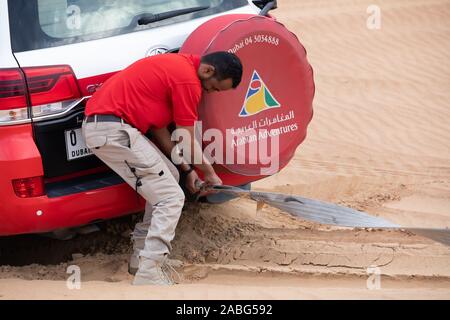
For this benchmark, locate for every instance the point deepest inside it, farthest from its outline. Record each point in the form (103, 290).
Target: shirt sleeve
(185, 100)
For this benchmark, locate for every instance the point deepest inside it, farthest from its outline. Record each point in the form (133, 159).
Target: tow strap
(327, 213)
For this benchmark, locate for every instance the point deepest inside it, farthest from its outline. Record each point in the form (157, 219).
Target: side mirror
(265, 6)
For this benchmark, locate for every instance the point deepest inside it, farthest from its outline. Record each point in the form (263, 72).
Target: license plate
(75, 145)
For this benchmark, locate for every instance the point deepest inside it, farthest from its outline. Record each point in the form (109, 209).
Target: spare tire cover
(271, 108)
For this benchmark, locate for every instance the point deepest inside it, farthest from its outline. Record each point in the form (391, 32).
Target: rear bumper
(19, 158)
(43, 214)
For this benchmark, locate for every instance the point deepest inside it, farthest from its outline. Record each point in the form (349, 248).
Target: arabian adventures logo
(258, 98)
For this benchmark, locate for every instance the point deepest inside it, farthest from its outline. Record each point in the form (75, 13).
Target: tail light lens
(29, 187)
(13, 101)
(52, 89)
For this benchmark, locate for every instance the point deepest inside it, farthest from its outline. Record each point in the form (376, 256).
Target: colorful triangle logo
(258, 98)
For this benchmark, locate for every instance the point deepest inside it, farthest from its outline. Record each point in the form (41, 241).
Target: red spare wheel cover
(273, 101)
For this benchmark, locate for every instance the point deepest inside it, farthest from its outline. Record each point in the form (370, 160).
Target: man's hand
(192, 181)
(191, 178)
(212, 179)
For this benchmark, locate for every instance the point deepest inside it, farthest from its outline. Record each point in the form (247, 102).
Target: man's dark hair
(227, 66)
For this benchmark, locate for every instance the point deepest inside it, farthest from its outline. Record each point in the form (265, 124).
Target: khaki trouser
(143, 166)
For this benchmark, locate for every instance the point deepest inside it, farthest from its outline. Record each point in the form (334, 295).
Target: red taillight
(51, 84)
(45, 85)
(12, 89)
(50, 89)
(29, 187)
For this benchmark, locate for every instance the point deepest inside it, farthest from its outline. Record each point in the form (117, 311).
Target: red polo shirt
(152, 92)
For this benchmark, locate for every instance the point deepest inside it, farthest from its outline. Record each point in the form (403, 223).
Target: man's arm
(196, 153)
(163, 138)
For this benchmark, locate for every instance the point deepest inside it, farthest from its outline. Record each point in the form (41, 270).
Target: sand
(379, 142)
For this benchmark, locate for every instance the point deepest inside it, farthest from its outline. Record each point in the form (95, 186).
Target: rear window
(38, 24)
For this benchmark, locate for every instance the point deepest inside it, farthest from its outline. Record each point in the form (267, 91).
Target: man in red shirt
(148, 96)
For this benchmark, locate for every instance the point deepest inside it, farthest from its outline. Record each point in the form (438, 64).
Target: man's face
(214, 85)
(210, 83)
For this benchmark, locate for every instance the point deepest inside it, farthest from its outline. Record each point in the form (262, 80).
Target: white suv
(54, 54)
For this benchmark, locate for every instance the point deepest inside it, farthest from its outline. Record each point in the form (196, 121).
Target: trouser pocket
(140, 170)
(95, 141)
